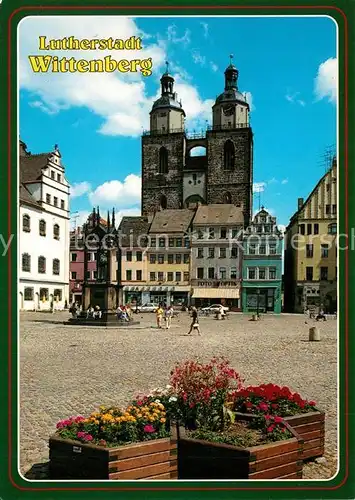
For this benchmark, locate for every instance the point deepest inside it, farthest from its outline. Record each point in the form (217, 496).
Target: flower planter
(198, 459)
(155, 459)
(310, 426)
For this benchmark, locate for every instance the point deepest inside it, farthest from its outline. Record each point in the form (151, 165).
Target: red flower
(192, 405)
(149, 429)
(274, 406)
(278, 420)
(263, 407)
(249, 404)
(270, 428)
(312, 403)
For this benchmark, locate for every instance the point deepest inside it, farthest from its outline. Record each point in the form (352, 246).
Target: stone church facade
(173, 178)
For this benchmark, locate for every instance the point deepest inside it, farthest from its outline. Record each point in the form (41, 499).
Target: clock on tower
(228, 109)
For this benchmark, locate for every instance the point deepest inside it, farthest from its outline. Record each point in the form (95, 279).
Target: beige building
(216, 255)
(311, 249)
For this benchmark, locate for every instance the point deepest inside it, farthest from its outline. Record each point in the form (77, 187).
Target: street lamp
(257, 302)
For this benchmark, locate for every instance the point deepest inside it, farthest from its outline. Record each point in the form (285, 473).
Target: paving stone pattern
(72, 370)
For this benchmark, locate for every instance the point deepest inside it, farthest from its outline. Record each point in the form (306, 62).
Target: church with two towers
(172, 178)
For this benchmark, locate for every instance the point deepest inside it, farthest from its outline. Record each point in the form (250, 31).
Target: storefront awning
(216, 293)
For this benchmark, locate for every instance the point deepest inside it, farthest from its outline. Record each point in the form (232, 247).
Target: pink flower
(278, 420)
(88, 437)
(149, 428)
(81, 434)
(312, 403)
(192, 405)
(263, 407)
(274, 406)
(271, 428)
(79, 419)
(139, 403)
(60, 425)
(268, 417)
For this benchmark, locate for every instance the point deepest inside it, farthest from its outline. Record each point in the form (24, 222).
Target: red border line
(9, 165)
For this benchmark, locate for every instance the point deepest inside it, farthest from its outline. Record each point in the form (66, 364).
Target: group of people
(166, 312)
(124, 313)
(93, 312)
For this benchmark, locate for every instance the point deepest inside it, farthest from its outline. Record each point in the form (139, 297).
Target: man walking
(195, 324)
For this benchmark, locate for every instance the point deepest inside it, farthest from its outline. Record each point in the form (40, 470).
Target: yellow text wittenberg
(72, 43)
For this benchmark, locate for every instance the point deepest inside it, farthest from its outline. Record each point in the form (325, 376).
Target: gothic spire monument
(172, 177)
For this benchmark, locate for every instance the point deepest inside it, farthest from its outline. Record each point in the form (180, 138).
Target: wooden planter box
(198, 459)
(310, 426)
(156, 459)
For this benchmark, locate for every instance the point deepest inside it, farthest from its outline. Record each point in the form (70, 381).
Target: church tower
(163, 149)
(230, 148)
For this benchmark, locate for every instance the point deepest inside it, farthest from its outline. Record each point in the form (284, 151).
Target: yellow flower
(163, 420)
(96, 422)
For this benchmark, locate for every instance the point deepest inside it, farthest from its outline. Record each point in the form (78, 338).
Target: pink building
(76, 263)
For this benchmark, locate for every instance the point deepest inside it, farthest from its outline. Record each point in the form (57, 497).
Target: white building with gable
(43, 231)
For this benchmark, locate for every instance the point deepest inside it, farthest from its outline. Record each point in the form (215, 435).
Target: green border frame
(11, 484)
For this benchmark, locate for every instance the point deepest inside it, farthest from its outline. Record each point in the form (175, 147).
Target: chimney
(300, 203)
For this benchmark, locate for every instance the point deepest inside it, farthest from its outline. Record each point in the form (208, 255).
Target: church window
(26, 223)
(56, 231)
(163, 202)
(56, 266)
(42, 227)
(227, 198)
(26, 262)
(41, 265)
(229, 155)
(163, 161)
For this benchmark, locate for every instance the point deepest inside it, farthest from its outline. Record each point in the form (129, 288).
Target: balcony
(213, 128)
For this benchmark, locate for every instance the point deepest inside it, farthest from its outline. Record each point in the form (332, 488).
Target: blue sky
(287, 66)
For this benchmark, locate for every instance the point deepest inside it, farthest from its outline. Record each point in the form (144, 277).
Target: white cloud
(205, 29)
(249, 98)
(120, 100)
(294, 98)
(198, 58)
(214, 66)
(115, 193)
(79, 189)
(281, 227)
(273, 181)
(259, 187)
(78, 218)
(174, 38)
(284, 181)
(326, 81)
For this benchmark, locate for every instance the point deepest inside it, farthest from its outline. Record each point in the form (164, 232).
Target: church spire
(167, 82)
(231, 75)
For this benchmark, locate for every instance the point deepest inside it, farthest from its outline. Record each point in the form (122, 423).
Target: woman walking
(169, 312)
(159, 313)
(195, 324)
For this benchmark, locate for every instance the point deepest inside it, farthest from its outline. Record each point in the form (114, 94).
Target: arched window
(163, 202)
(229, 155)
(163, 161)
(56, 266)
(41, 265)
(42, 227)
(26, 223)
(332, 228)
(26, 262)
(56, 231)
(227, 198)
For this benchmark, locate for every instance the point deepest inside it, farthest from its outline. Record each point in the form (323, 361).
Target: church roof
(26, 197)
(231, 95)
(167, 101)
(172, 221)
(219, 214)
(132, 228)
(31, 166)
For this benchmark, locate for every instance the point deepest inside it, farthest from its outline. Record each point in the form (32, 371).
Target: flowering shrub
(113, 427)
(269, 399)
(272, 426)
(198, 391)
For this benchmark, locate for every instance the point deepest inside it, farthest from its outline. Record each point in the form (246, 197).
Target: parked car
(214, 308)
(149, 307)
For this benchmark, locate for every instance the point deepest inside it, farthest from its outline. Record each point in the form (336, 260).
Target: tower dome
(231, 92)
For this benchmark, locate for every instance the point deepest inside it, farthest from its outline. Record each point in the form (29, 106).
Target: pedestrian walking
(159, 315)
(195, 324)
(169, 313)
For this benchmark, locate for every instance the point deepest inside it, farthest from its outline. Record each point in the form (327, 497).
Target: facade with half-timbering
(173, 178)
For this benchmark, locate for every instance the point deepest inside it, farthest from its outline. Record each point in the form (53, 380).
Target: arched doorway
(193, 200)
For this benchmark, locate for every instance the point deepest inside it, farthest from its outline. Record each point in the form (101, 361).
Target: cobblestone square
(68, 370)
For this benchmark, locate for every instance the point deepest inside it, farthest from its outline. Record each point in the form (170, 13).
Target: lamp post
(257, 301)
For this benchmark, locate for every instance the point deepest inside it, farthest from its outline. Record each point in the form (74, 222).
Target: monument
(100, 286)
